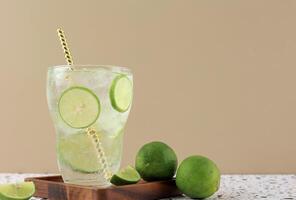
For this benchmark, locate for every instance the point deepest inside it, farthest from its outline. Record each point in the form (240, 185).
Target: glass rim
(90, 66)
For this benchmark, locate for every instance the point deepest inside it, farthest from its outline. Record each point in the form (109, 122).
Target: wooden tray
(53, 188)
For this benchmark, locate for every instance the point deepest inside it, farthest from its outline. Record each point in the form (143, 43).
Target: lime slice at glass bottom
(78, 151)
(126, 176)
(79, 107)
(18, 191)
(121, 93)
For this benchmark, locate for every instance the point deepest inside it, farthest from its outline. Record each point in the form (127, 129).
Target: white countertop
(233, 187)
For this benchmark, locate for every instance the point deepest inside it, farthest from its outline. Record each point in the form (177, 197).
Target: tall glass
(89, 106)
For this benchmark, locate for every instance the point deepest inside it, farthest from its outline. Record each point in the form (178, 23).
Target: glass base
(79, 178)
(88, 183)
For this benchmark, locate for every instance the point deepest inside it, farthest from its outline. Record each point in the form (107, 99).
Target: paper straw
(65, 47)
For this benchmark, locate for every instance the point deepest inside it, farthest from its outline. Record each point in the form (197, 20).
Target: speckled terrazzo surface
(240, 187)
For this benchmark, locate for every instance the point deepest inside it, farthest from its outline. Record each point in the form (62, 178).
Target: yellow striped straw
(65, 47)
(91, 132)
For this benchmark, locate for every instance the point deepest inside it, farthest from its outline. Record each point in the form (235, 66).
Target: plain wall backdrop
(215, 78)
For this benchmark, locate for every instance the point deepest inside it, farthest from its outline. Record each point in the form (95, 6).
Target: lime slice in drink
(126, 176)
(121, 93)
(79, 107)
(79, 152)
(18, 191)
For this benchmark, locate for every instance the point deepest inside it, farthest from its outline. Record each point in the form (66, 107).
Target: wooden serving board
(53, 188)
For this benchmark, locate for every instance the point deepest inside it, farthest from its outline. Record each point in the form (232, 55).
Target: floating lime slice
(121, 93)
(126, 176)
(79, 107)
(79, 152)
(18, 191)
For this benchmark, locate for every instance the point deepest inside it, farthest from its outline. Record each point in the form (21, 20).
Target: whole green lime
(198, 177)
(156, 161)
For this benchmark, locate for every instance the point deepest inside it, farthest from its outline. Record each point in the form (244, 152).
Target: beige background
(215, 78)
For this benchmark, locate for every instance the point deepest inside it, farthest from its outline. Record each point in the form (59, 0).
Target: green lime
(126, 176)
(79, 107)
(17, 191)
(198, 177)
(79, 152)
(156, 161)
(121, 93)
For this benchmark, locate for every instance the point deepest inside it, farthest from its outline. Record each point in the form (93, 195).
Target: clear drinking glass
(89, 106)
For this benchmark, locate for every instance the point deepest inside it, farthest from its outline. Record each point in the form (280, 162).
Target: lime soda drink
(89, 106)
